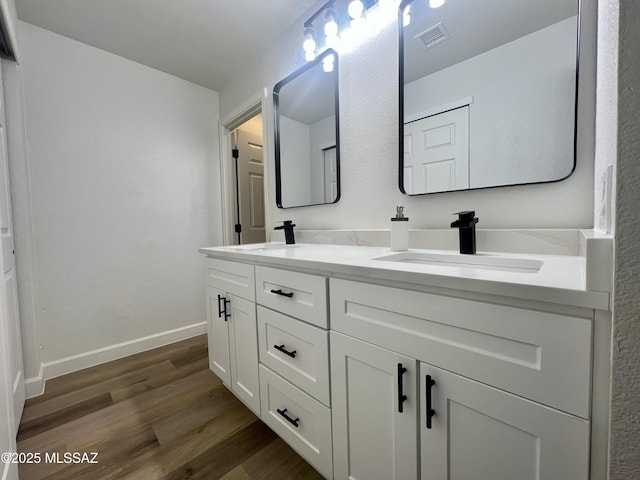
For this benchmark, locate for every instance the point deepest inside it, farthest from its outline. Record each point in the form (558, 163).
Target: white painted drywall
(369, 147)
(625, 391)
(322, 135)
(607, 114)
(522, 116)
(120, 164)
(294, 162)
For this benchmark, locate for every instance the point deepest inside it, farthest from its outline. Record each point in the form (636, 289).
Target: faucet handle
(285, 224)
(466, 218)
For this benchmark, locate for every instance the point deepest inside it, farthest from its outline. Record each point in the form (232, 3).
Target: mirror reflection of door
(330, 175)
(250, 183)
(436, 152)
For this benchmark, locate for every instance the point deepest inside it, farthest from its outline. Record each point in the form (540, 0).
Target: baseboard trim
(35, 386)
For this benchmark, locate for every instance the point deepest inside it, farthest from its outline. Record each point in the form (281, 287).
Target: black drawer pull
(401, 396)
(282, 349)
(288, 418)
(430, 411)
(284, 294)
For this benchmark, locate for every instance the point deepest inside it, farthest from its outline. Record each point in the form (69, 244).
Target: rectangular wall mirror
(307, 134)
(488, 93)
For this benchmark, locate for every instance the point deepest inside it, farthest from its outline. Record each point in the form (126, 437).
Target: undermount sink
(263, 247)
(480, 261)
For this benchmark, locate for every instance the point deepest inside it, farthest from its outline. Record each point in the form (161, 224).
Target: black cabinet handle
(222, 308)
(282, 349)
(220, 297)
(284, 294)
(401, 396)
(288, 418)
(226, 314)
(430, 411)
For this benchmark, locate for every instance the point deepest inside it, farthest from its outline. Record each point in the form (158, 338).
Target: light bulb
(436, 3)
(309, 56)
(355, 9)
(331, 27)
(406, 16)
(330, 23)
(327, 63)
(309, 43)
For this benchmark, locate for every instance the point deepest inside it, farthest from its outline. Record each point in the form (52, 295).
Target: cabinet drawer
(538, 355)
(297, 294)
(296, 350)
(232, 277)
(303, 422)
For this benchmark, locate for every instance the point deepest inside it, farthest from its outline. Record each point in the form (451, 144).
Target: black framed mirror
(307, 144)
(488, 93)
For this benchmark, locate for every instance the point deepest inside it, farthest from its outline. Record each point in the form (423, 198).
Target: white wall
(322, 134)
(522, 116)
(625, 391)
(294, 155)
(369, 147)
(121, 157)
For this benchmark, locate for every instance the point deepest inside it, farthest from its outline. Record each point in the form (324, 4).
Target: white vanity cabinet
(482, 370)
(374, 425)
(479, 432)
(294, 361)
(372, 373)
(232, 329)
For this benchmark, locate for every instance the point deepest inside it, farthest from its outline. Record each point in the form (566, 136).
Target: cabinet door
(218, 334)
(479, 432)
(372, 439)
(243, 345)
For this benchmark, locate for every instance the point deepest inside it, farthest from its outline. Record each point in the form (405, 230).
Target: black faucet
(288, 231)
(466, 225)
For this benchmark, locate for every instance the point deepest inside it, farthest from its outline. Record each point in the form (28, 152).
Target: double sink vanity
(426, 364)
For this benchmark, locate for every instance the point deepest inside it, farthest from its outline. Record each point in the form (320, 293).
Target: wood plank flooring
(157, 415)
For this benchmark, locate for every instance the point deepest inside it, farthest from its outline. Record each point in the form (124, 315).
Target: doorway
(244, 190)
(249, 181)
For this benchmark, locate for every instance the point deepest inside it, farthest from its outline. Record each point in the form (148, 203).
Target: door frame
(248, 109)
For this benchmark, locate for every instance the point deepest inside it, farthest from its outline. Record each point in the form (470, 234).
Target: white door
(480, 433)
(330, 175)
(436, 152)
(12, 393)
(372, 439)
(251, 187)
(218, 334)
(243, 336)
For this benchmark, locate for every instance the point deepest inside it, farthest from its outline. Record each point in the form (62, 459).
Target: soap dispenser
(399, 231)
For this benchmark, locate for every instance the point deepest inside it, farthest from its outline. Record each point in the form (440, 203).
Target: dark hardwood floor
(160, 414)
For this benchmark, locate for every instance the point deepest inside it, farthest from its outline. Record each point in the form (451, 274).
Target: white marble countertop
(560, 280)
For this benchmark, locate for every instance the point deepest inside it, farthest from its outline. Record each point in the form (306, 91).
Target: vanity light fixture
(329, 26)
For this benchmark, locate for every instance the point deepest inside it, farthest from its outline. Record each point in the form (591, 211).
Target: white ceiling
(475, 27)
(204, 41)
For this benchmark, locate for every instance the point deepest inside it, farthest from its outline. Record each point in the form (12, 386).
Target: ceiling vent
(433, 36)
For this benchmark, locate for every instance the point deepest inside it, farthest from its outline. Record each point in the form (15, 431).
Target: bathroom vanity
(425, 364)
